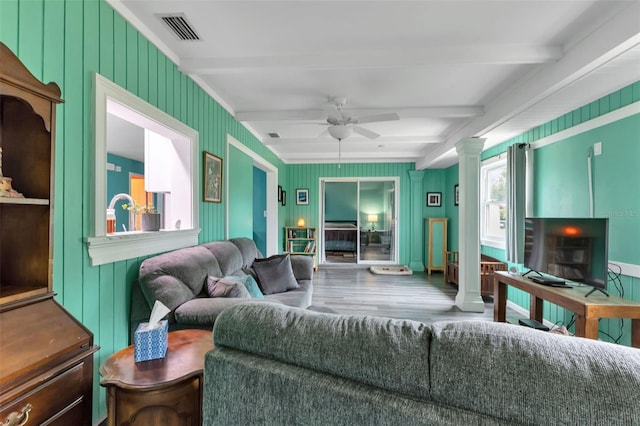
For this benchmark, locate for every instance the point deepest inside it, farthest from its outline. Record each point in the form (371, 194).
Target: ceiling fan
(341, 125)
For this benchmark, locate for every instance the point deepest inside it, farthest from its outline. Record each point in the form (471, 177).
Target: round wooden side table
(165, 391)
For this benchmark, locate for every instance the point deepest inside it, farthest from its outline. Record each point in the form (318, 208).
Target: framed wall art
(456, 195)
(302, 196)
(434, 199)
(212, 174)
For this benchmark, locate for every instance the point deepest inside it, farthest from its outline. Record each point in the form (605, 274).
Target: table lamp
(373, 218)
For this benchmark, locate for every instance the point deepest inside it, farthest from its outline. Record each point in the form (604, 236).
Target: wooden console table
(588, 310)
(165, 391)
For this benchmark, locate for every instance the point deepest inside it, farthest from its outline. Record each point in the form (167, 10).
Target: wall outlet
(597, 148)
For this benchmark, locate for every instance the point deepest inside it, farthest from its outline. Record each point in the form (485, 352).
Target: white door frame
(396, 255)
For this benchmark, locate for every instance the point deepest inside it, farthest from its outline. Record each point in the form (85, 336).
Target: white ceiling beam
(319, 114)
(507, 54)
(413, 140)
(332, 157)
(617, 36)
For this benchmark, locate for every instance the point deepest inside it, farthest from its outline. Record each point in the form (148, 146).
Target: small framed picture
(279, 193)
(302, 196)
(434, 199)
(212, 176)
(283, 201)
(456, 195)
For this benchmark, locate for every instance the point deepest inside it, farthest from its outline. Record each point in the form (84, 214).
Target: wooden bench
(488, 265)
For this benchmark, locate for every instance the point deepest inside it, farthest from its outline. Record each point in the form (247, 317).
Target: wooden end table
(165, 391)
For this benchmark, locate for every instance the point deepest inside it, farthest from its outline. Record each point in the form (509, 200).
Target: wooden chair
(488, 265)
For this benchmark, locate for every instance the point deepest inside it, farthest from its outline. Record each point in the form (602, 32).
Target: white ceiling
(450, 69)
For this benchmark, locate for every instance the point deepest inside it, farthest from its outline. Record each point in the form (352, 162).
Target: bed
(341, 236)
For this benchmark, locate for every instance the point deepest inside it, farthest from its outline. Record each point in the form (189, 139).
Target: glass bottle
(111, 221)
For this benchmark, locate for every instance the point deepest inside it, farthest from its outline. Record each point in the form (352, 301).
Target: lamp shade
(301, 222)
(340, 131)
(372, 218)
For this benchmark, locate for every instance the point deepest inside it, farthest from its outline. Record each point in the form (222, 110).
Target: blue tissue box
(150, 343)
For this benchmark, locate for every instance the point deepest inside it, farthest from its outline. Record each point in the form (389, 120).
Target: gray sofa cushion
(176, 277)
(228, 255)
(248, 250)
(302, 267)
(203, 311)
(298, 298)
(244, 389)
(481, 366)
(386, 353)
(275, 274)
(227, 287)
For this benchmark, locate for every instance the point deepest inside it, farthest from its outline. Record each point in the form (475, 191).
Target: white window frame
(110, 248)
(486, 167)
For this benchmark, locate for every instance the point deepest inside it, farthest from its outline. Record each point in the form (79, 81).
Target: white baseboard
(628, 269)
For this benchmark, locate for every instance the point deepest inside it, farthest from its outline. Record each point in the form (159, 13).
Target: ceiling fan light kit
(340, 131)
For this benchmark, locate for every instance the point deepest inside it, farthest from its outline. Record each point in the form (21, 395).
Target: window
(133, 138)
(493, 203)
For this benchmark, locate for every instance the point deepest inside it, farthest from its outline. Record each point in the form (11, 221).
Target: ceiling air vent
(181, 27)
(273, 135)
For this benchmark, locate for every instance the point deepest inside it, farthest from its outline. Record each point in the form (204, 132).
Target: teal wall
(372, 202)
(561, 189)
(341, 201)
(308, 176)
(66, 42)
(259, 206)
(240, 194)
(452, 179)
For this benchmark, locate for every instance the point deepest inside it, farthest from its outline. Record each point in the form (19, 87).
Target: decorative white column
(468, 298)
(417, 233)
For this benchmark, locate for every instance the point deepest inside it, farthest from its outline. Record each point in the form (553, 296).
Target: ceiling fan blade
(376, 118)
(365, 132)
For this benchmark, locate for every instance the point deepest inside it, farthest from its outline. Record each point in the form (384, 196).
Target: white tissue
(158, 312)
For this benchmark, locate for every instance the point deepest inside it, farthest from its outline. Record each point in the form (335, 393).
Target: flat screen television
(574, 249)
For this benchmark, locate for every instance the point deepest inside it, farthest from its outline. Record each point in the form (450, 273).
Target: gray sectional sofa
(178, 279)
(274, 365)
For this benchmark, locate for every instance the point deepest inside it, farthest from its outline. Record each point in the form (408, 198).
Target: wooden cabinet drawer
(57, 398)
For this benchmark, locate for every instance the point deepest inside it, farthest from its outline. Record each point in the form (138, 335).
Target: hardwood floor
(347, 289)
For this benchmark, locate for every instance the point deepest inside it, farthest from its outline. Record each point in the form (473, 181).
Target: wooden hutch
(46, 355)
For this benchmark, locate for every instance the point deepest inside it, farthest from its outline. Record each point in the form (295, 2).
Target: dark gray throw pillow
(226, 287)
(275, 274)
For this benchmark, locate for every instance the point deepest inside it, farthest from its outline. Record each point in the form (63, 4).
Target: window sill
(129, 245)
(499, 244)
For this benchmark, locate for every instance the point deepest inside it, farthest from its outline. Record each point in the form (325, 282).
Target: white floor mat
(391, 270)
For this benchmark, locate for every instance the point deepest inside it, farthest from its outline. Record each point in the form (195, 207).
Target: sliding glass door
(377, 201)
(359, 221)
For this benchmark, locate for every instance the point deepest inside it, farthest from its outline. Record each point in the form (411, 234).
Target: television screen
(575, 249)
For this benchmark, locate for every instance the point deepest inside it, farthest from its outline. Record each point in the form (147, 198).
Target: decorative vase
(150, 221)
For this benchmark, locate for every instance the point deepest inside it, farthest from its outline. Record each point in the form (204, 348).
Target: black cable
(614, 278)
(571, 321)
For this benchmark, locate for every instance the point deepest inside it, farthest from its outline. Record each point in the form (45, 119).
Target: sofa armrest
(302, 267)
